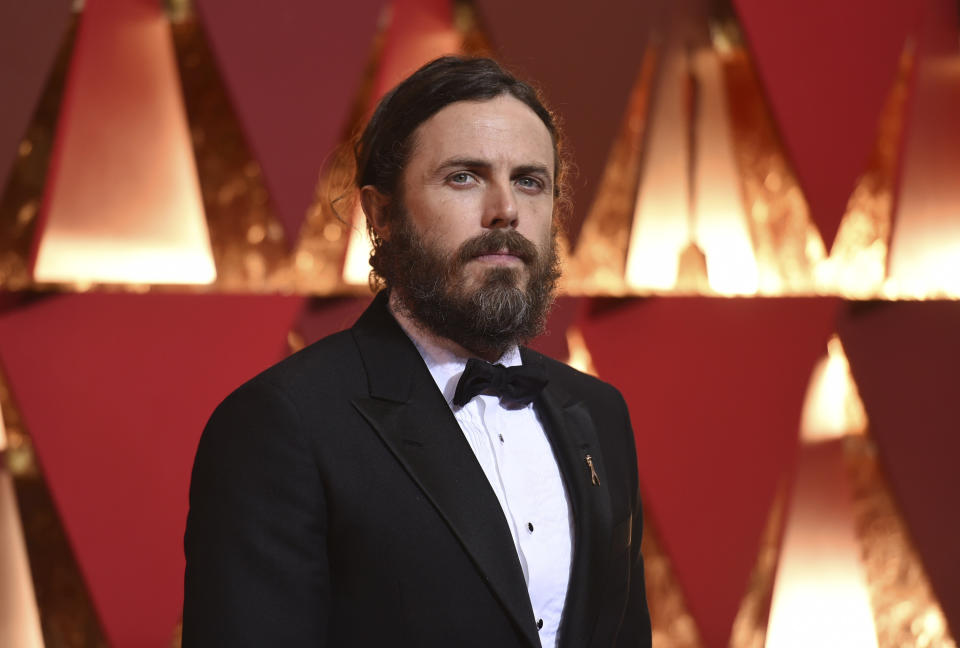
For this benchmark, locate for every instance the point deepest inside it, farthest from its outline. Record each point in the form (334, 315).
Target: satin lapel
(409, 414)
(573, 436)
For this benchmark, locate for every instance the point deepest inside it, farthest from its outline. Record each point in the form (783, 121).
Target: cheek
(453, 222)
(539, 223)
(441, 211)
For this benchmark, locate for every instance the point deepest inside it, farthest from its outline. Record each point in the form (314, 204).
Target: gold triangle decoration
(818, 572)
(785, 253)
(845, 544)
(469, 23)
(598, 265)
(750, 624)
(245, 234)
(578, 353)
(790, 252)
(20, 198)
(334, 218)
(786, 243)
(857, 265)
(924, 260)
(905, 609)
(673, 625)
(669, 216)
(122, 203)
(67, 615)
(177, 640)
(690, 233)
(19, 616)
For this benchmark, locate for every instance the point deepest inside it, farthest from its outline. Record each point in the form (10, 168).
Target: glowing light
(256, 234)
(304, 260)
(19, 616)
(925, 250)
(820, 575)
(832, 408)
(660, 218)
(933, 272)
(356, 266)
(124, 202)
(721, 224)
(824, 602)
(784, 240)
(663, 232)
(87, 260)
(580, 358)
(332, 232)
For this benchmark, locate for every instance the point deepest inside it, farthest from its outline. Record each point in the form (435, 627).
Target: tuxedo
(335, 502)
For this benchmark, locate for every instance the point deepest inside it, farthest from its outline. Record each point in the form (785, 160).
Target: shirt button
(530, 526)
(539, 624)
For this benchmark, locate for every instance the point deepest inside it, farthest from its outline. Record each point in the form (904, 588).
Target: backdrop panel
(827, 67)
(904, 357)
(114, 390)
(715, 389)
(30, 34)
(293, 70)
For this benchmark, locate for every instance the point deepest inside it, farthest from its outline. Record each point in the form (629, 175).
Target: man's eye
(461, 178)
(529, 183)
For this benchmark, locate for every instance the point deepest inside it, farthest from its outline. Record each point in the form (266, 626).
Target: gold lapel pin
(593, 471)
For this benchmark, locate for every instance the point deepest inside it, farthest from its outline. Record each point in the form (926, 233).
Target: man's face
(480, 166)
(471, 244)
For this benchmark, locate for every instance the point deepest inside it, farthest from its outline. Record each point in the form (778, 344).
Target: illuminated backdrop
(763, 255)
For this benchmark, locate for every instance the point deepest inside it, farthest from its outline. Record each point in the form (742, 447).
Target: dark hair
(383, 148)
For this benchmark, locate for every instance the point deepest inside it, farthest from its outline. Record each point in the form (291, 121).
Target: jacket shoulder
(328, 366)
(574, 381)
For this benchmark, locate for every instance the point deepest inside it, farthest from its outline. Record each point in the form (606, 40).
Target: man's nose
(500, 206)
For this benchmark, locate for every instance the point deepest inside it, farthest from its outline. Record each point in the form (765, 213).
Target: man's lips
(498, 257)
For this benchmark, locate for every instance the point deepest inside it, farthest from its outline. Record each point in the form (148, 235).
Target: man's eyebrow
(532, 169)
(477, 163)
(469, 163)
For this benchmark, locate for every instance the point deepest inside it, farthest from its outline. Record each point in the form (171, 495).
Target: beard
(486, 318)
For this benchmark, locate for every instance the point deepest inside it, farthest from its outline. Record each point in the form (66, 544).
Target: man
(388, 485)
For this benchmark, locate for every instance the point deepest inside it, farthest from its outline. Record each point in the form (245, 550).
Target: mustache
(496, 241)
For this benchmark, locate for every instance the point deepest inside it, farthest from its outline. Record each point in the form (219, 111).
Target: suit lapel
(410, 415)
(574, 437)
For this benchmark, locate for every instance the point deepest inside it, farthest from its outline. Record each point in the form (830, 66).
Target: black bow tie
(519, 385)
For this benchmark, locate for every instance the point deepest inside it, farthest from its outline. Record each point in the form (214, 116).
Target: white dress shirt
(515, 455)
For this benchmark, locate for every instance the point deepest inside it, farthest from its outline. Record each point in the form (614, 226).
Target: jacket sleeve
(635, 631)
(255, 544)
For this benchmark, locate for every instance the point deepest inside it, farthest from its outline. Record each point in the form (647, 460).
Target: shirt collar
(445, 359)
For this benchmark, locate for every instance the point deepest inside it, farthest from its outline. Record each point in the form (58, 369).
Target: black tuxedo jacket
(335, 502)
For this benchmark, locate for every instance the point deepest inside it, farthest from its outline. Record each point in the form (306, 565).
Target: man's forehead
(499, 130)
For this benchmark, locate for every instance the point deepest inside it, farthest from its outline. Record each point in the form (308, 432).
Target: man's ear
(375, 206)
